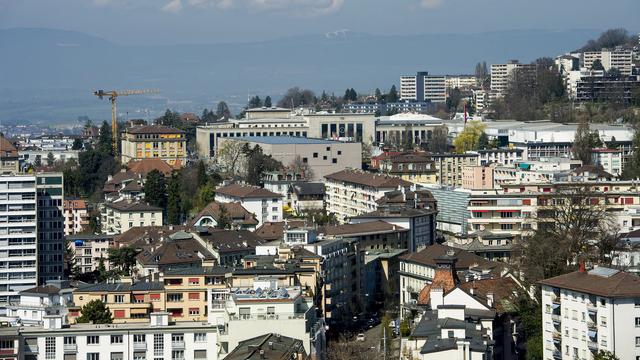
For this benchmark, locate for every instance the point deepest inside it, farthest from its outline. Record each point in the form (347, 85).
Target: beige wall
(477, 177)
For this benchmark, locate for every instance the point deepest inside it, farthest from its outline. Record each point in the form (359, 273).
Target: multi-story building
(502, 156)
(617, 89)
(264, 204)
(476, 177)
(415, 167)
(609, 159)
(453, 216)
(9, 163)
(76, 216)
(90, 251)
(402, 129)
(238, 218)
(460, 82)
(584, 312)
(118, 217)
(619, 59)
(157, 338)
(449, 167)
(503, 74)
(423, 87)
(154, 141)
(51, 245)
(18, 237)
(320, 156)
(353, 192)
(480, 100)
(37, 303)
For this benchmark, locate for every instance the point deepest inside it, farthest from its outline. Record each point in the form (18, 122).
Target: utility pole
(384, 342)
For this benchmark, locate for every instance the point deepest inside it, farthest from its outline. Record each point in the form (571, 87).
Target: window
(194, 311)
(334, 161)
(637, 341)
(69, 340)
(174, 297)
(603, 321)
(275, 208)
(119, 299)
(177, 355)
(315, 155)
(506, 226)
(116, 339)
(158, 344)
(93, 356)
(638, 322)
(139, 355)
(200, 337)
(139, 338)
(93, 340)
(177, 338)
(199, 354)
(117, 356)
(603, 302)
(103, 298)
(50, 348)
(637, 303)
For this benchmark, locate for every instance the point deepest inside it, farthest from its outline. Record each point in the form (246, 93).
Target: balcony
(557, 355)
(556, 318)
(70, 348)
(592, 325)
(556, 335)
(555, 299)
(177, 345)
(593, 346)
(31, 349)
(140, 346)
(592, 307)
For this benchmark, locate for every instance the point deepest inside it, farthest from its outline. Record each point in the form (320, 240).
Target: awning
(592, 333)
(138, 311)
(555, 306)
(524, 166)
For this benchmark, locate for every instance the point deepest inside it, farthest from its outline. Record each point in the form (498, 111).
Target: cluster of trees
(256, 102)
(611, 39)
(483, 76)
(122, 263)
(584, 142)
(473, 137)
(350, 95)
(239, 160)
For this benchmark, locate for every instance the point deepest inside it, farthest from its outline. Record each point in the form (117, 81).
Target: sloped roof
(42, 290)
(183, 251)
(132, 206)
(154, 129)
(246, 191)
(613, 284)
(367, 179)
(271, 231)
(306, 188)
(269, 347)
(236, 213)
(7, 147)
(465, 260)
(373, 227)
(502, 289)
(145, 166)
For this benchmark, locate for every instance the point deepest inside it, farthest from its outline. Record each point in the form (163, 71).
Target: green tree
(223, 112)
(105, 142)
(439, 140)
(454, 100)
(632, 168)
(175, 210)
(605, 355)
(124, 258)
(483, 141)
(584, 142)
(258, 163)
(77, 144)
(267, 101)
(201, 177)
(170, 118)
(468, 139)
(597, 65)
(392, 96)
(95, 312)
(50, 159)
(155, 189)
(295, 97)
(224, 221)
(378, 95)
(204, 196)
(38, 161)
(255, 102)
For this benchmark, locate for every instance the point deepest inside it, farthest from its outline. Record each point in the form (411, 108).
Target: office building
(584, 312)
(154, 141)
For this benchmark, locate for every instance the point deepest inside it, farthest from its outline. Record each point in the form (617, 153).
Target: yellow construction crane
(113, 96)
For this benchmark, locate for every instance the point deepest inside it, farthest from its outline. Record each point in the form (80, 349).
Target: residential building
(51, 245)
(157, 338)
(480, 100)
(618, 58)
(244, 313)
(501, 156)
(453, 216)
(414, 167)
(320, 157)
(460, 82)
(372, 235)
(476, 177)
(489, 245)
(37, 303)
(503, 74)
(610, 160)
(381, 278)
(353, 192)
(154, 141)
(76, 216)
(237, 217)
(18, 238)
(264, 204)
(423, 87)
(567, 63)
(449, 167)
(90, 251)
(306, 197)
(9, 163)
(177, 251)
(584, 312)
(420, 107)
(125, 184)
(269, 346)
(618, 89)
(118, 217)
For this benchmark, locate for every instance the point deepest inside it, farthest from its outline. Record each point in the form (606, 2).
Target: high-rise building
(502, 74)
(50, 206)
(619, 59)
(423, 87)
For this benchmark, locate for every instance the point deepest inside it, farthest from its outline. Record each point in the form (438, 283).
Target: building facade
(118, 217)
(154, 141)
(76, 216)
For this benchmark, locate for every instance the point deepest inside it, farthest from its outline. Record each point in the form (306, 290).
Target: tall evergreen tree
(583, 143)
(267, 101)
(174, 200)
(393, 94)
(95, 312)
(105, 144)
(201, 176)
(223, 110)
(155, 190)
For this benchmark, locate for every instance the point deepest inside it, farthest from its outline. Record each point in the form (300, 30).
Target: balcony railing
(592, 325)
(593, 346)
(70, 348)
(139, 346)
(556, 318)
(177, 345)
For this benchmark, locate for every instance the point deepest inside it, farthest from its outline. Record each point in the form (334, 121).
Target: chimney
(581, 267)
(490, 299)
(261, 354)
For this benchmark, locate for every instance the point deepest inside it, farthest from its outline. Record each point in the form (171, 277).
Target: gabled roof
(271, 231)
(269, 347)
(373, 227)
(236, 213)
(502, 289)
(7, 148)
(131, 206)
(145, 166)
(121, 287)
(360, 177)
(600, 281)
(246, 191)
(465, 260)
(41, 290)
(305, 188)
(184, 251)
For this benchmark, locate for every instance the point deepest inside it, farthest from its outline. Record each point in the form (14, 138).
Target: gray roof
(305, 188)
(207, 270)
(122, 287)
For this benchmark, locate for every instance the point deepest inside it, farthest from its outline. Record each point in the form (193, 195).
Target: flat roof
(286, 140)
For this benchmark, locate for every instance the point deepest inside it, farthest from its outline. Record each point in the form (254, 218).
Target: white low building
(609, 159)
(584, 312)
(118, 217)
(264, 204)
(37, 303)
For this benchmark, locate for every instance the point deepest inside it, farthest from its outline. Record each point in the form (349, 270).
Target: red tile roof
(367, 179)
(246, 191)
(619, 285)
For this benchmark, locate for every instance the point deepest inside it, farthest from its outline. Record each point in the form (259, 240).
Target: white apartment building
(264, 204)
(480, 100)
(118, 217)
(584, 312)
(502, 74)
(244, 313)
(619, 59)
(18, 237)
(460, 81)
(157, 339)
(76, 216)
(423, 87)
(408, 87)
(435, 88)
(37, 303)
(88, 249)
(350, 193)
(609, 159)
(505, 156)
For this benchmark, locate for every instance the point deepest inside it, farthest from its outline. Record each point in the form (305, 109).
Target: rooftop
(246, 191)
(368, 179)
(599, 281)
(131, 206)
(373, 227)
(286, 140)
(154, 129)
(270, 347)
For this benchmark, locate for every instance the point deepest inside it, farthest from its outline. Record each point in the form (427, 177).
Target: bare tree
(231, 159)
(301, 168)
(345, 349)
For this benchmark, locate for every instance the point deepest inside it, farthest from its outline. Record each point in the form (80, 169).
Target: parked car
(360, 337)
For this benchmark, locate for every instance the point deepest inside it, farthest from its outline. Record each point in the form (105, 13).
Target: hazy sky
(207, 21)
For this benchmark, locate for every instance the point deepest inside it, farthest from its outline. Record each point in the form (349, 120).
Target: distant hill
(48, 74)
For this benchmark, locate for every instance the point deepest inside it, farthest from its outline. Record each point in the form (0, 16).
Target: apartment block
(154, 142)
(9, 163)
(503, 74)
(619, 59)
(609, 159)
(76, 216)
(264, 204)
(51, 245)
(449, 167)
(90, 250)
(118, 217)
(584, 312)
(423, 87)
